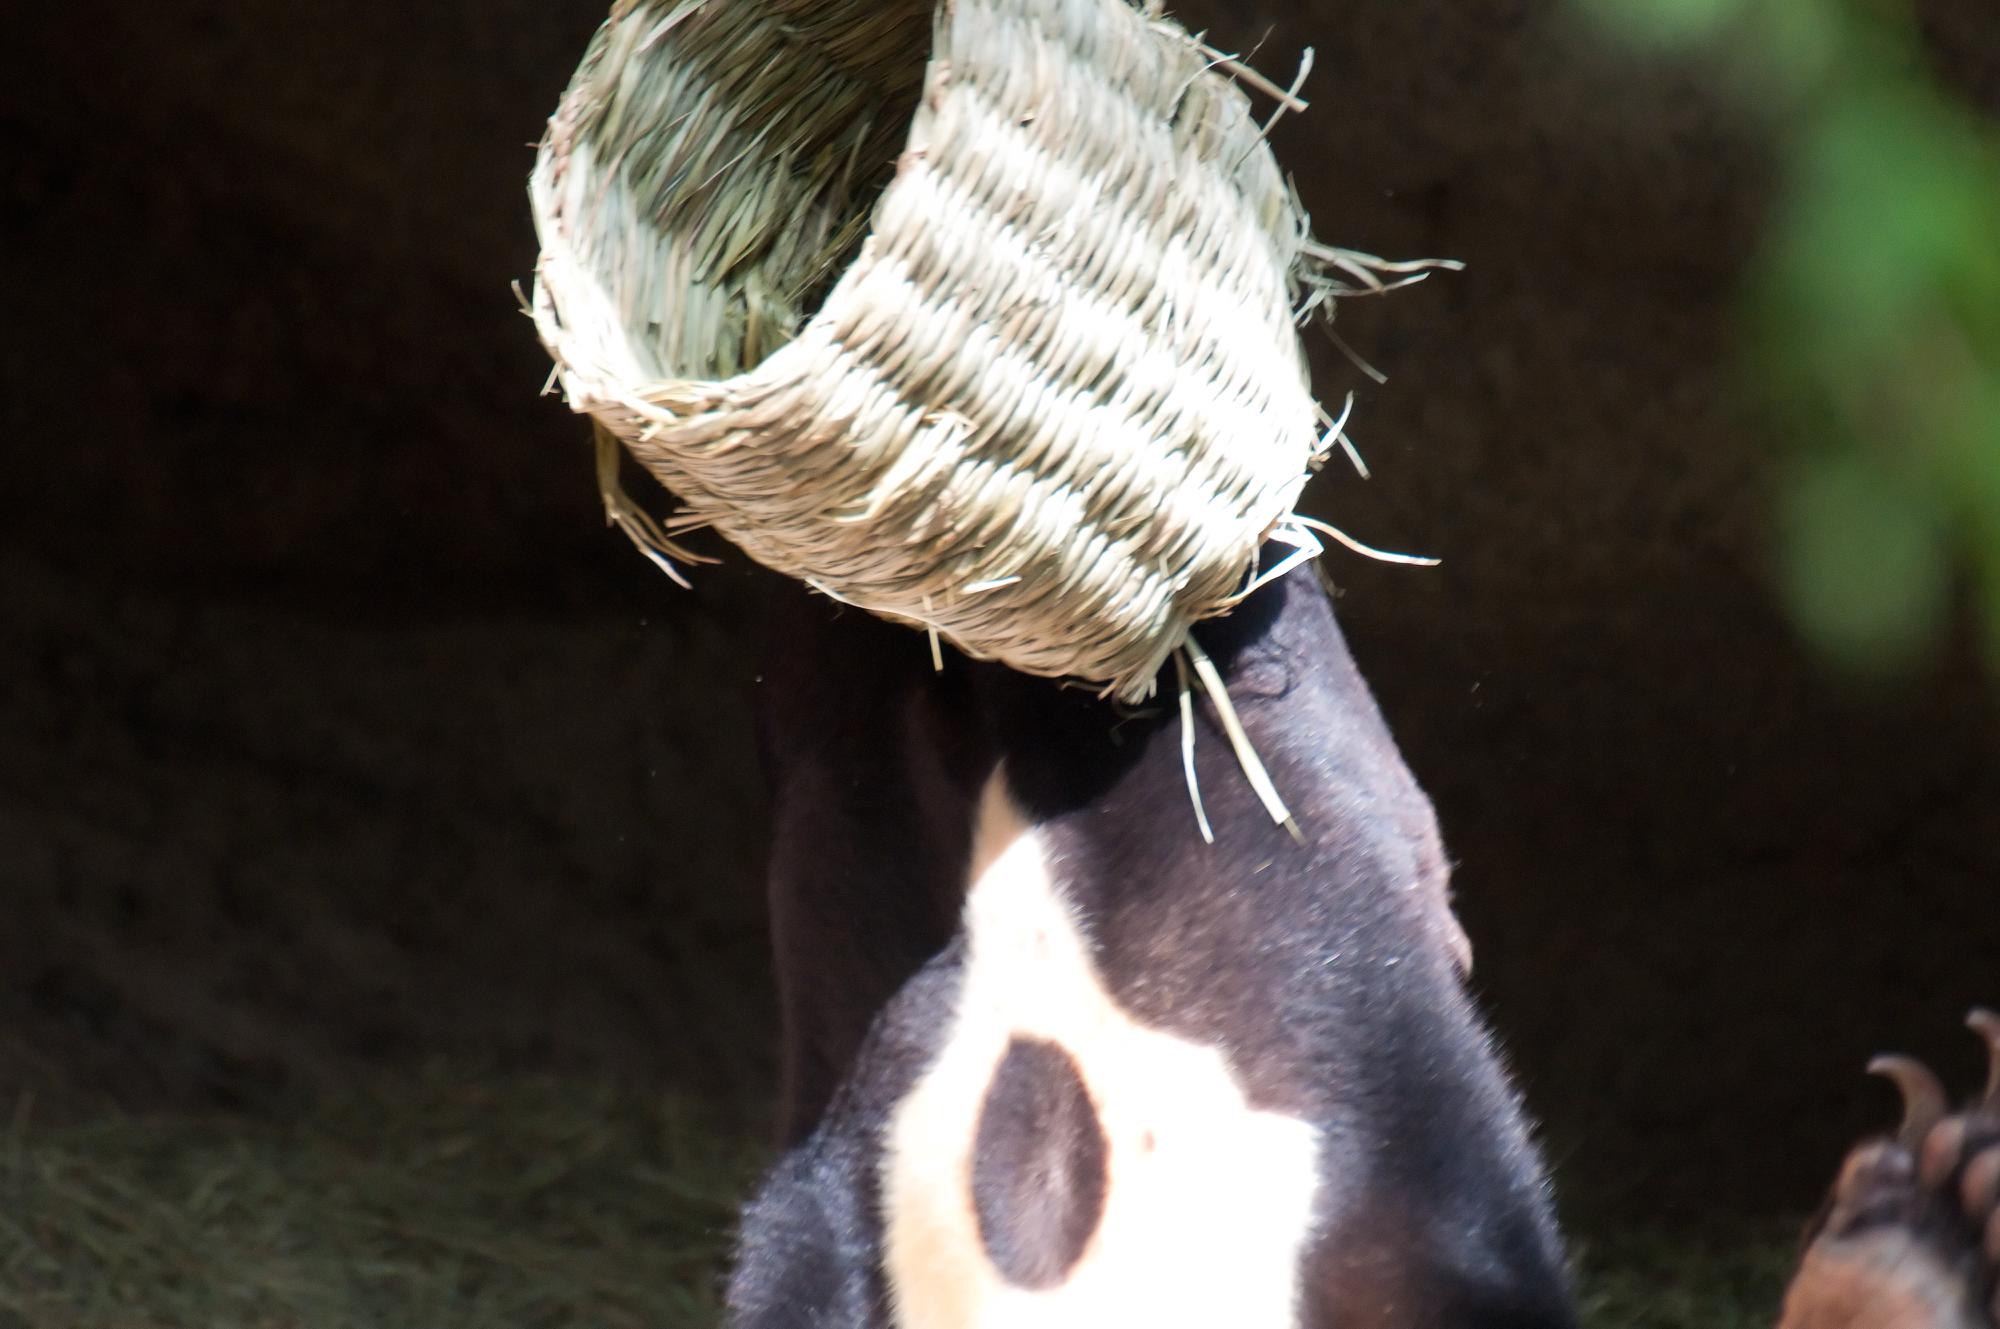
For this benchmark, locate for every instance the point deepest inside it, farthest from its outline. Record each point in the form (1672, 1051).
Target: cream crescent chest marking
(1209, 1202)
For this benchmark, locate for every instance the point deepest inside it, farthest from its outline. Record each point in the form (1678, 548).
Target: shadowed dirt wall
(339, 734)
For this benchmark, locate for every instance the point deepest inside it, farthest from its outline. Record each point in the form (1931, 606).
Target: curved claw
(1923, 1096)
(1986, 1024)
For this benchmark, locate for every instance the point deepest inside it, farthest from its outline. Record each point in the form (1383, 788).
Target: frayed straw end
(1336, 430)
(1187, 748)
(1366, 551)
(1239, 740)
(1371, 273)
(1329, 274)
(1238, 68)
(638, 525)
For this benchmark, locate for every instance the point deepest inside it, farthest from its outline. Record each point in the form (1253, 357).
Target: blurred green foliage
(1872, 313)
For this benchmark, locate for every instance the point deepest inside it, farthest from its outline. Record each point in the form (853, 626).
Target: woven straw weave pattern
(1047, 398)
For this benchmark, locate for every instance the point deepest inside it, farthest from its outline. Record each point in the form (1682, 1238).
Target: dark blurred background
(338, 735)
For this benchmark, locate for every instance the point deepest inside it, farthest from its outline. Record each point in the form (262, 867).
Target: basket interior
(722, 164)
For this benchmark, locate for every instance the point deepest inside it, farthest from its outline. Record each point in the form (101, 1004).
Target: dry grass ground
(456, 1200)
(445, 1202)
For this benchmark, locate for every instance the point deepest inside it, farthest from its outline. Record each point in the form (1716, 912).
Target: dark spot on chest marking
(1039, 1172)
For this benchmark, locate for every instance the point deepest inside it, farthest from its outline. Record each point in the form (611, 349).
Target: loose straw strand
(1239, 739)
(1187, 747)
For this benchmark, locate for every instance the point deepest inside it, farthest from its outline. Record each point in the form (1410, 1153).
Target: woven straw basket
(978, 317)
